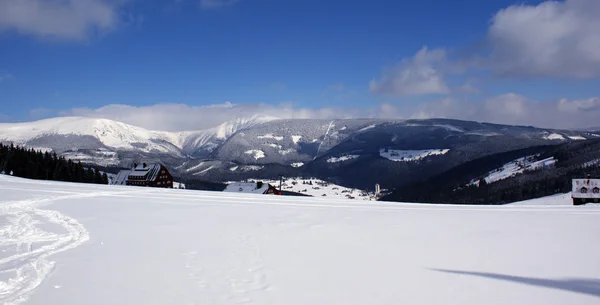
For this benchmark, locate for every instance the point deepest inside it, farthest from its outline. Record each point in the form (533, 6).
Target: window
(584, 190)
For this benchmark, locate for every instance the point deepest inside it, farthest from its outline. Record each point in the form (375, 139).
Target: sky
(173, 64)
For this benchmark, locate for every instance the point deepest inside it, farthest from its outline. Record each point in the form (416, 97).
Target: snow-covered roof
(121, 178)
(148, 172)
(246, 187)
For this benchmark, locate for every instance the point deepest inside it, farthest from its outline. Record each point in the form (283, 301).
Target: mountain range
(351, 152)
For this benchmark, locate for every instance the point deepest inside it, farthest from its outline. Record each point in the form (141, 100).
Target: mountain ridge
(354, 152)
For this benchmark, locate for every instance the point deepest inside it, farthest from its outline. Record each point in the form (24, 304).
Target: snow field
(516, 167)
(270, 136)
(342, 158)
(410, 155)
(256, 154)
(156, 246)
(319, 188)
(554, 136)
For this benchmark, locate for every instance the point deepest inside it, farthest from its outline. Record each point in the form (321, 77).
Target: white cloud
(418, 75)
(512, 109)
(469, 87)
(180, 117)
(215, 4)
(509, 108)
(552, 39)
(64, 19)
(591, 105)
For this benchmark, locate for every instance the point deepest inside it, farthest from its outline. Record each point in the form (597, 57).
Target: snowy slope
(319, 188)
(78, 133)
(73, 244)
(246, 187)
(410, 155)
(203, 142)
(109, 133)
(516, 167)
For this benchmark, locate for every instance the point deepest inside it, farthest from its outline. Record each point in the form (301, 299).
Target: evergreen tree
(98, 177)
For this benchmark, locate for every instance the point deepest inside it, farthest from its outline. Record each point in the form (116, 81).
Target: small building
(252, 188)
(585, 191)
(151, 175)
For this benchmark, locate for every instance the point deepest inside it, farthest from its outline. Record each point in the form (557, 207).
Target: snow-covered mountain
(100, 140)
(202, 143)
(292, 141)
(355, 152)
(86, 137)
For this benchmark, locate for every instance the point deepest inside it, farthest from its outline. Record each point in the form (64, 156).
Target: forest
(34, 164)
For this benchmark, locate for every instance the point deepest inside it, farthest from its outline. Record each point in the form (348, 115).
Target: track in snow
(28, 242)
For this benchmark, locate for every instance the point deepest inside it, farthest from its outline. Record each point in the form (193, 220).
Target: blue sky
(352, 58)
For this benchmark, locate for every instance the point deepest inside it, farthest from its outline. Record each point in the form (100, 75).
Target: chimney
(144, 165)
(134, 165)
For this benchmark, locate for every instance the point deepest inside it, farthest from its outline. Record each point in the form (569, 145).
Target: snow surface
(287, 151)
(270, 136)
(342, 158)
(275, 146)
(449, 127)
(246, 187)
(101, 158)
(247, 168)
(256, 153)
(577, 138)
(297, 164)
(554, 136)
(367, 128)
(516, 167)
(204, 170)
(73, 244)
(410, 155)
(296, 139)
(319, 188)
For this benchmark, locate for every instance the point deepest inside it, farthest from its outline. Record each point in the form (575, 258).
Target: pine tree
(98, 177)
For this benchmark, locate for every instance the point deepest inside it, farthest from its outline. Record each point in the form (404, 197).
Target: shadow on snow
(579, 285)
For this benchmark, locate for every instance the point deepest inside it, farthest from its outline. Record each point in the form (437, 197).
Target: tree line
(33, 164)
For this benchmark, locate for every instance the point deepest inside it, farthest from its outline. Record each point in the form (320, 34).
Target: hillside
(512, 176)
(68, 244)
